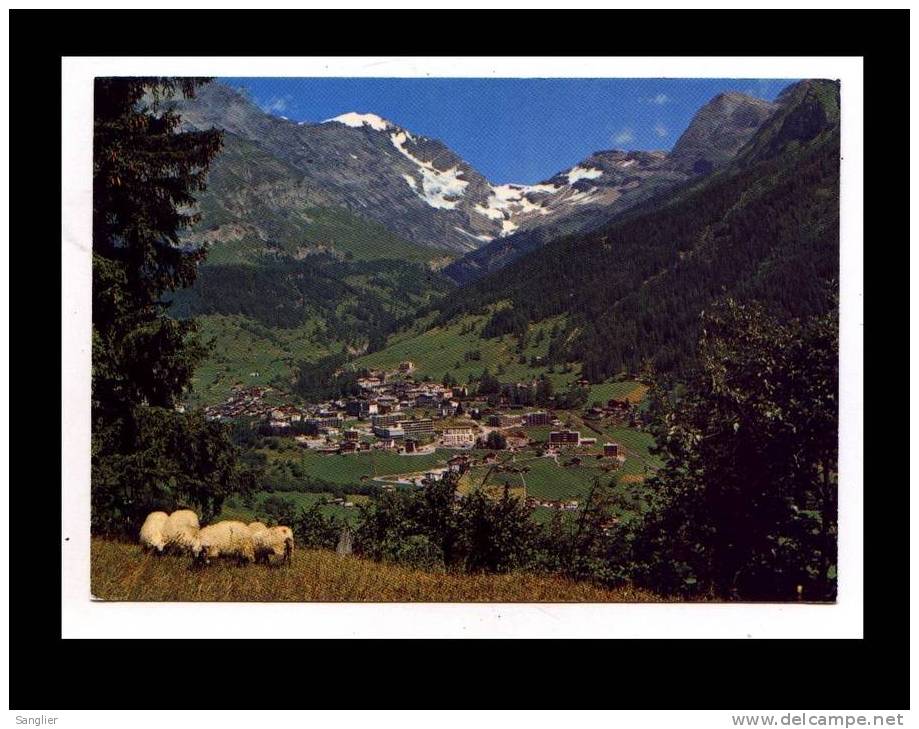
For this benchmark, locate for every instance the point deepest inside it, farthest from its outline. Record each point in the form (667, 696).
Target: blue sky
(512, 130)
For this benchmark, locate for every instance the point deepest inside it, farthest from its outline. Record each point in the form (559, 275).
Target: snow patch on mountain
(353, 119)
(489, 212)
(509, 203)
(510, 200)
(515, 196)
(582, 198)
(482, 238)
(541, 188)
(439, 188)
(582, 173)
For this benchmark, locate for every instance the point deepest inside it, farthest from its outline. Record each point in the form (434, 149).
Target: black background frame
(46, 671)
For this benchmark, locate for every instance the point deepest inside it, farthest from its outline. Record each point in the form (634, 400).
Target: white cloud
(276, 104)
(660, 130)
(658, 99)
(624, 137)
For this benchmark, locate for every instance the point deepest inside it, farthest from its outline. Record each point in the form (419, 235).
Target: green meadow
(459, 350)
(234, 509)
(353, 468)
(245, 352)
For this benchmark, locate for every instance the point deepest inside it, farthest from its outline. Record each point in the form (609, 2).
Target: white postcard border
(83, 617)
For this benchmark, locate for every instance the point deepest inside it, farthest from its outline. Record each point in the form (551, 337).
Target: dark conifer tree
(145, 454)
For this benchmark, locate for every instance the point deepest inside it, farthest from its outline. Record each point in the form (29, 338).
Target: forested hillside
(357, 301)
(285, 254)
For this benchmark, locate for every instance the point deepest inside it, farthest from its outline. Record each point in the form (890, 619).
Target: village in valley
(400, 431)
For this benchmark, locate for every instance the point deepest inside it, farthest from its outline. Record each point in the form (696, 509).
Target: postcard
(564, 340)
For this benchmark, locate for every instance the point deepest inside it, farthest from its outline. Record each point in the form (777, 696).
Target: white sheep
(277, 541)
(180, 530)
(257, 526)
(224, 539)
(151, 533)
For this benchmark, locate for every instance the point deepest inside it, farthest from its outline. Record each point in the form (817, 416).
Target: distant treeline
(357, 300)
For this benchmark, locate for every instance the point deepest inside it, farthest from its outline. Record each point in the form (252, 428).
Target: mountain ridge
(763, 228)
(426, 194)
(717, 132)
(414, 185)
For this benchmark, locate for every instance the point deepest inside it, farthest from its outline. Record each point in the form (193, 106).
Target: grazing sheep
(224, 539)
(277, 541)
(151, 533)
(180, 531)
(257, 526)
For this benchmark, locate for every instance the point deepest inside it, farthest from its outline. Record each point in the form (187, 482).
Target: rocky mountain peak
(804, 110)
(717, 131)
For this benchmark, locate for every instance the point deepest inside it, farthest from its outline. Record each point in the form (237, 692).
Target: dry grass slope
(122, 572)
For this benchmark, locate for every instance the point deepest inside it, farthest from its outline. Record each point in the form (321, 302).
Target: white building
(458, 437)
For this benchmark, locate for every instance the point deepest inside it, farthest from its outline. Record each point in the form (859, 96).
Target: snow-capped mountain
(416, 187)
(598, 181)
(607, 184)
(413, 185)
(445, 182)
(425, 193)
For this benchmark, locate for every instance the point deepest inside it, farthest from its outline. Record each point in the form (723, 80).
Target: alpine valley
(360, 239)
(333, 361)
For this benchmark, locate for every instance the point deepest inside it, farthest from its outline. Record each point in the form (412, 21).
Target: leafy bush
(745, 506)
(167, 460)
(496, 441)
(276, 510)
(314, 530)
(477, 534)
(415, 551)
(497, 535)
